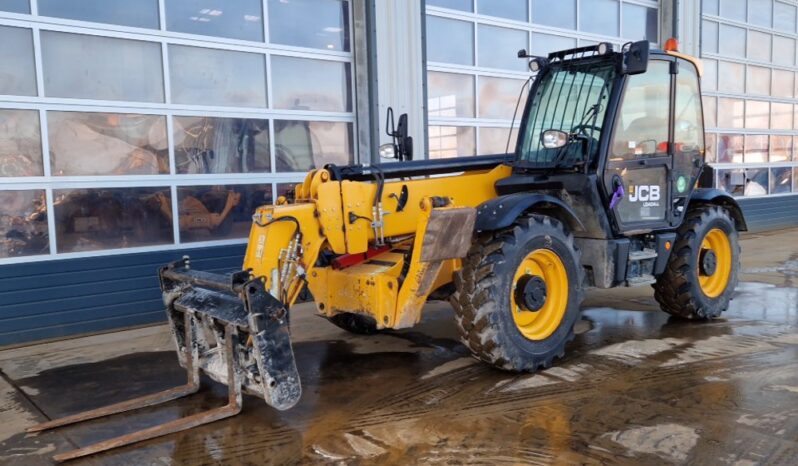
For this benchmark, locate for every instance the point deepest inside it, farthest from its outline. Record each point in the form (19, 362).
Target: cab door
(688, 137)
(640, 158)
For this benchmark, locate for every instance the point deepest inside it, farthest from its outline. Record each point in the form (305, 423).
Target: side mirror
(635, 57)
(554, 138)
(402, 143)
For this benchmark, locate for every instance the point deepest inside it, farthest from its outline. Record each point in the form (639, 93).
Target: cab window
(688, 133)
(688, 129)
(642, 128)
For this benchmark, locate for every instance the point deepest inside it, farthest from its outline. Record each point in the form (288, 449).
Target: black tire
(678, 290)
(355, 323)
(484, 287)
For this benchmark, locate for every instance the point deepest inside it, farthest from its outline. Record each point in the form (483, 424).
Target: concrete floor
(635, 388)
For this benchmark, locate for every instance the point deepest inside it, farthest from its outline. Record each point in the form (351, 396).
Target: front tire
(702, 270)
(518, 294)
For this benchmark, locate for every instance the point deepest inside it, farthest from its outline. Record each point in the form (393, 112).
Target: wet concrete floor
(636, 387)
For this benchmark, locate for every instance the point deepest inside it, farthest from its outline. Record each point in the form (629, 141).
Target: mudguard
(502, 211)
(723, 199)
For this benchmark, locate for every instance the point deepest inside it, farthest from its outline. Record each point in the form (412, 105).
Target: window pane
(15, 6)
(709, 36)
(140, 13)
(511, 9)
(759, 12)
(711, 148)
(729, 75)
(710, 112)
(784, 51)
(203, 76)
(780, 148)
(20, 143)
(498, 48)
(119, 69)
(688, 122)
(599, 16)
(107, 144)
(783, 84)
(221, 145)
(781, 180)
(296, 84)
(756, 148)
(759, 46)
(23, 223)
(17, 70)
(639, 22)
(730, 148)
(242, 19)
(451, 141)
(111, 218)
(324, 23)
(758, 79)
(732, 41)
(784, 17)
(795, 179)
(731, 113)
(780, 116)
(757, 114)
(756, 182)
(498, 96)
(733, 9)
(543, 44)
(464, 5)
(709, 7)
(564, 16)
(209, 213)
(732, 181)
(450, 95)
(709, 81)
(304, 145)
(450, 41)
(494, 140)
(643, 120)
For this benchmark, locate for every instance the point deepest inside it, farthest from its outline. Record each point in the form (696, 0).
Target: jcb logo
(644, 193)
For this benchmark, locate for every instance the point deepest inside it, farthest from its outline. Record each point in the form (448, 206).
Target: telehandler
(604, 189)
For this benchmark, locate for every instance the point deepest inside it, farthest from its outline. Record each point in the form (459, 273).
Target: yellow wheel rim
(548, 267)
(714, 284)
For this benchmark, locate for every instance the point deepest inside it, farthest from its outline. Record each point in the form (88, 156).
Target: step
(641, 280)
(642, 255)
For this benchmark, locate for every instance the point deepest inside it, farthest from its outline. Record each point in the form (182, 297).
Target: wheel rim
(714, 263)
(545, 265)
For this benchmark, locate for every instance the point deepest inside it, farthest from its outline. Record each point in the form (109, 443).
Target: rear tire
(489, 312)
(355, 323)
(685, 289)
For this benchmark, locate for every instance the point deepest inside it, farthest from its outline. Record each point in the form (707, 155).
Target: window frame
(579, 37)
(42, 104)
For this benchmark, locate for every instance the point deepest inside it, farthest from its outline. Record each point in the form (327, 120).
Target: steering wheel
(582, 127)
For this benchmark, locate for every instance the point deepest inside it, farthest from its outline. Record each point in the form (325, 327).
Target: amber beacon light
(672, 45)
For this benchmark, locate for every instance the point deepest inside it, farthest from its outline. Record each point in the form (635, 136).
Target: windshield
(571, 98)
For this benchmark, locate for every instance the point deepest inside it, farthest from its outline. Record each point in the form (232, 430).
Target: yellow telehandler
(604, 189)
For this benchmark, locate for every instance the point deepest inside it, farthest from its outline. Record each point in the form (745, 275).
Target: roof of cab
(695, 61)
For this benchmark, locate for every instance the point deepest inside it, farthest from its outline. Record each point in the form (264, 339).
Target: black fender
(501, 212)
(720, 198)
